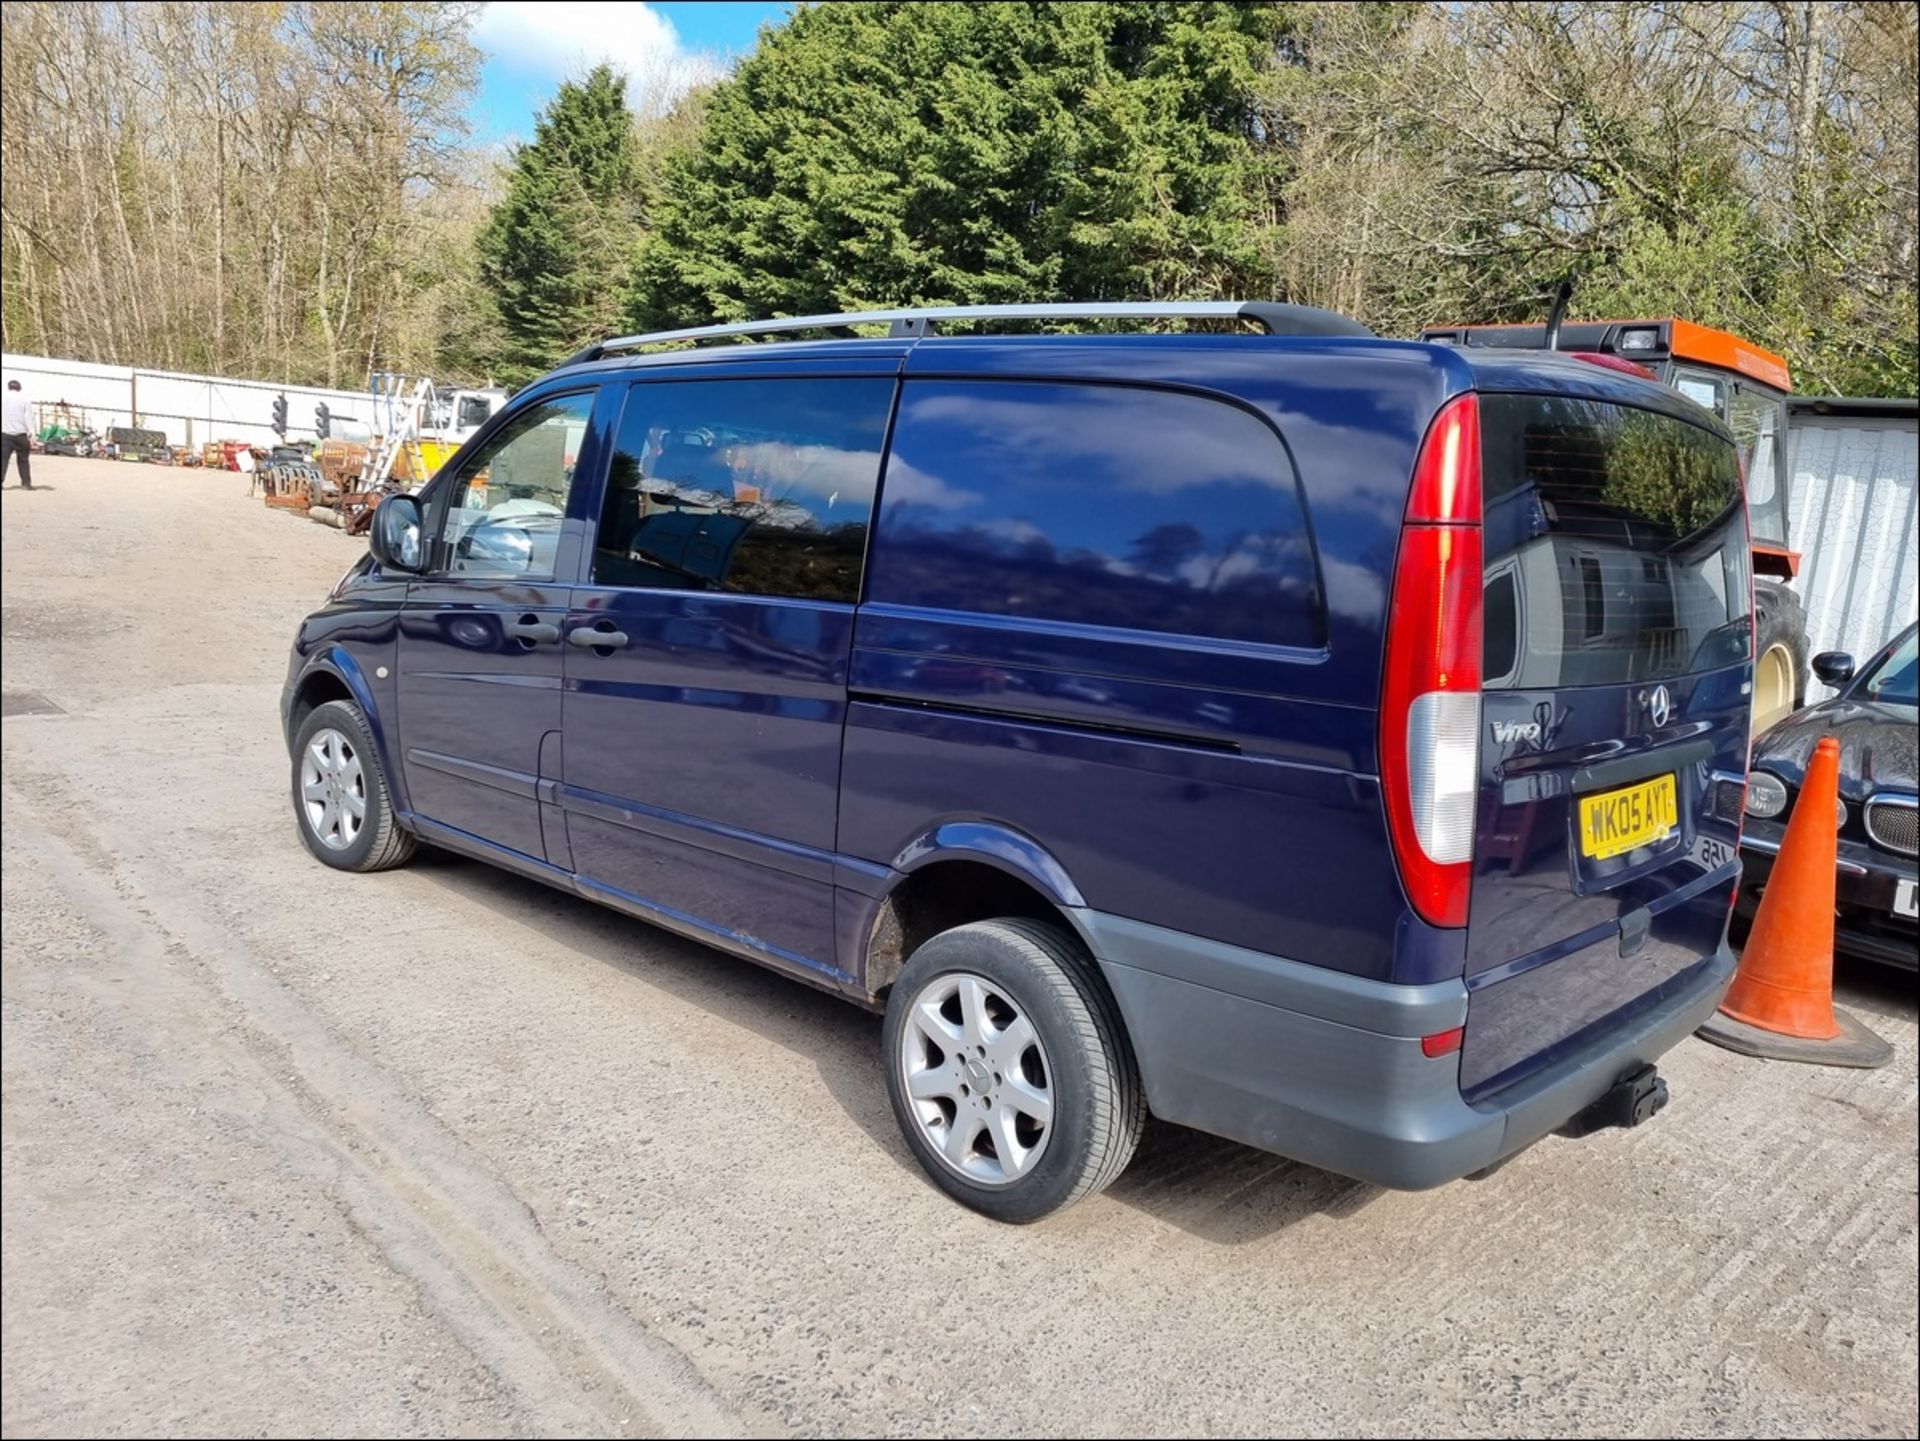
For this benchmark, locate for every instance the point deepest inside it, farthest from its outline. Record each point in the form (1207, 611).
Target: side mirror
(1835, 667)
(395, 537)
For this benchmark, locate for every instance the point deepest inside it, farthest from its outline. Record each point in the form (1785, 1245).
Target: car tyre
(1009, 1069)
(341, 801)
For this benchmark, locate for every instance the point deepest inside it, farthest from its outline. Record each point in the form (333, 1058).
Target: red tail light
(1614, 362)
(1442, 1043)
(1430, 696)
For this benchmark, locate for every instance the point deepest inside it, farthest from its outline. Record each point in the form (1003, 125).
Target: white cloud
(563, 39)
(908, 482)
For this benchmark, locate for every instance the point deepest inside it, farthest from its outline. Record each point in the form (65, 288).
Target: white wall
(191, 409)
(1853, 516)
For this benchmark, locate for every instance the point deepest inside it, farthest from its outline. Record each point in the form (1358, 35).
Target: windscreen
(1897, 681)
(1758, 421)
(1616, 548)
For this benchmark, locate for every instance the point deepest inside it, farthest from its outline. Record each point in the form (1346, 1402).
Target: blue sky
(532, 45)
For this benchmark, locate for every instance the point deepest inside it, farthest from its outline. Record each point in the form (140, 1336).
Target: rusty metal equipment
(356, 510)
(341, 462)
(295, 484)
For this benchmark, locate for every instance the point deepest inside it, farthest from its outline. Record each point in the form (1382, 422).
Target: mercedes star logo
(1659, 707)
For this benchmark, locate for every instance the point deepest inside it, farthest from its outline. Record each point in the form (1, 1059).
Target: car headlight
(1839, 815)
(1766, 795)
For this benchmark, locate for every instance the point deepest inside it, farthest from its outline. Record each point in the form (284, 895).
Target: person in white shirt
(16, 425)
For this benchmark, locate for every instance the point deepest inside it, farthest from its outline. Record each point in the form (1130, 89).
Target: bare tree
(269, 190)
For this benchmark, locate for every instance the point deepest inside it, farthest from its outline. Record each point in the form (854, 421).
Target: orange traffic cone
(1780, 1004)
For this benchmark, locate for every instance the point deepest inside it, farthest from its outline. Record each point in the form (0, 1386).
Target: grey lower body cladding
(1328, 1069)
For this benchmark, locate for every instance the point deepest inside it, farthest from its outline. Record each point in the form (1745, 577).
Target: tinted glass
(506, 504)
(763, 487)
(1704, 390)
(1620, 535)
(1094, 504)
(1897, 681)
(1502, 610)
(1758, 420)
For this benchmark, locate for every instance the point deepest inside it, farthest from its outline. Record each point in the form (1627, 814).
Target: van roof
(1119, 356)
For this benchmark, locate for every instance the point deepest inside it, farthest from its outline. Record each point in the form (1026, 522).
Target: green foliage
(1746, 165)
(883, 153)
(281, 190)
(1672, 474)
(554, 254)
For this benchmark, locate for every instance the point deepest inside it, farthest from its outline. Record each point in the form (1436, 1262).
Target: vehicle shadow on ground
(1216, 1190)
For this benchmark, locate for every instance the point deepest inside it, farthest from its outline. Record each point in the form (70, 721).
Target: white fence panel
(1854, 514)
(190, 409)
(102, 392)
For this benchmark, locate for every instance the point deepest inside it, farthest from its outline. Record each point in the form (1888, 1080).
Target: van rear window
(1097, 505)
(1616, 549)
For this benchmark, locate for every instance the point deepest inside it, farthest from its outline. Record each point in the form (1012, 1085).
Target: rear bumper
(1327, 1068)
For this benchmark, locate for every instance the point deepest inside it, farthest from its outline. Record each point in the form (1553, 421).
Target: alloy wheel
(333, 789)
(976, 1078)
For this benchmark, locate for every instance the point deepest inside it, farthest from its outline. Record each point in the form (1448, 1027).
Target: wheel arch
(957, 873)
(334, 674)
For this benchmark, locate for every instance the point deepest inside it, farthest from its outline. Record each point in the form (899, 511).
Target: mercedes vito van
(1304, 736)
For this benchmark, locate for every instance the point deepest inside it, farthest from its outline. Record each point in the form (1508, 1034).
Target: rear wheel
(1773, 686)
(1779, 654)
(1008, 1070)
(340, 797)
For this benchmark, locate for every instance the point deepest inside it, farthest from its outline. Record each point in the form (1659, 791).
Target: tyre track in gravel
(546, 1328)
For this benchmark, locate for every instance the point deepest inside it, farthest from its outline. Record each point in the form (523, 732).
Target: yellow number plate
(1614, 823)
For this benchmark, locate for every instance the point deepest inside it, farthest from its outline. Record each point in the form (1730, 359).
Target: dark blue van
(1303, 736)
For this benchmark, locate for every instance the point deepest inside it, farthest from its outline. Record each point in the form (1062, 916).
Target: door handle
(592, 637)
(533, 631)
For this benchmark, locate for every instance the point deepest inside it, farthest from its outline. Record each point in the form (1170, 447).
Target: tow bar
(1630, 1101)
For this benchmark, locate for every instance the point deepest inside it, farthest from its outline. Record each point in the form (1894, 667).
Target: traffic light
(280, 415)
(322, 419)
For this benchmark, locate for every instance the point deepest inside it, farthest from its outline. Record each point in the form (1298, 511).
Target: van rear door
(1615, 689)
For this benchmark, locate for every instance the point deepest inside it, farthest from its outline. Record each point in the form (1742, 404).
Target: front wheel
(1008, 1069)
(340, 797)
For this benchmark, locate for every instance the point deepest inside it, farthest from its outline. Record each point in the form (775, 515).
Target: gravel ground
(442, 1151)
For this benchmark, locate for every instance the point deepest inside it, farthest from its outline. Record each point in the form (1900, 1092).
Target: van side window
(760, 487)
(505, 506)
(1097, 505)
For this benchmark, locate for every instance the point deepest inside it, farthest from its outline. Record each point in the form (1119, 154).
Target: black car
(1876, 719)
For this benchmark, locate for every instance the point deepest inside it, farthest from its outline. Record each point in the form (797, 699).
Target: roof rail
(1273, 317)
